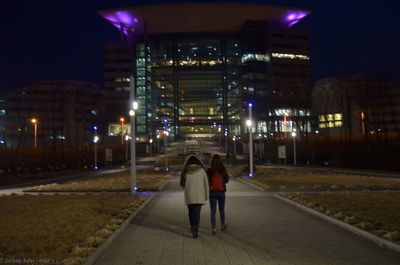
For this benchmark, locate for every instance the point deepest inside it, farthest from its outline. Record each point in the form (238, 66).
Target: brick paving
(262, 230)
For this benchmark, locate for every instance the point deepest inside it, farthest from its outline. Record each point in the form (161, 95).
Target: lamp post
(166, 134)
(294, 148)
(234, 145)
(226, 140)
(260, 137)
(250, 125)
(219, 134)
(126, 147)
(122, 120)
(151, 147)
(132, 112)
(35, 127)
(158, 143)
(95, 140)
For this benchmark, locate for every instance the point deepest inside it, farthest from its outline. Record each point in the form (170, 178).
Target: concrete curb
(383, 242)
(94, 256)
(250, 184)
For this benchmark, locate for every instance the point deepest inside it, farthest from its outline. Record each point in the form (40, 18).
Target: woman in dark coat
(217, 178)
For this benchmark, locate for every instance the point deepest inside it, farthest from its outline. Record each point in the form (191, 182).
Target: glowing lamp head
(135, 105)
(166, 133)
(121, 119)
(248, 123)
(151, 141)
(234, 138)
(293, 134)
(34, 121)
(131, 113)
(95, 128)
(127, 137)
(250, 105)
(96, 139)
(158, 136)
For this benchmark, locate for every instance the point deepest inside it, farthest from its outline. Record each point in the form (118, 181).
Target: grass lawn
(120, 181)
(272, 178)
(376, 212)
(21, 178)
(172, 160)
(62, 228)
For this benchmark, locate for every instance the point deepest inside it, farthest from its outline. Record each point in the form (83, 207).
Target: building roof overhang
(199, 17)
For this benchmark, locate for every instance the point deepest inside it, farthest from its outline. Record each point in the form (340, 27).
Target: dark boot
(195, 231)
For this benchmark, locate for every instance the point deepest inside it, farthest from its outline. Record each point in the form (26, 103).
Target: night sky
(64, 39)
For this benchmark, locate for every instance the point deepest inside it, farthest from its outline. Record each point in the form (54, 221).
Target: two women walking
(200, 185)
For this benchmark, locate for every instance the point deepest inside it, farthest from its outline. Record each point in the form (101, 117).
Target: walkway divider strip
(381, 241)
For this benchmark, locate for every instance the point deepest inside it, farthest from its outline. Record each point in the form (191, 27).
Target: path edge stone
(380, 241)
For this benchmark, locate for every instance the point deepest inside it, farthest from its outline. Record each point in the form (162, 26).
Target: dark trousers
(220, 198)
(194, 215)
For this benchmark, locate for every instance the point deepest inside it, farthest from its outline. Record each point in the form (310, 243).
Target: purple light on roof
(294, 17)
(123, 20)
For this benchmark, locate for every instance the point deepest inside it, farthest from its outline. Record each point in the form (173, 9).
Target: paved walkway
(262, 230)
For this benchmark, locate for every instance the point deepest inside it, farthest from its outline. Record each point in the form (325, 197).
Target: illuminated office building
(197, 66)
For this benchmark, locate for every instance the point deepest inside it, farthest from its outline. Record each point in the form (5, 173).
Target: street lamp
(151, 147)
(260, 137)
(95, 140)
(219, 134)
(122, 120)
(294, 148)
(35, 128)
(132, 113)
(158, 143)
(126, 146)
(226, 140)
(249, 123)
(166, 134)
(234, 145)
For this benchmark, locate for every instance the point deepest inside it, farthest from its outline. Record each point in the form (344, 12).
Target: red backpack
(217, 182)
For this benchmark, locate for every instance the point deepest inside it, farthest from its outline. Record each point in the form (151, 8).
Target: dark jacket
(209, 175)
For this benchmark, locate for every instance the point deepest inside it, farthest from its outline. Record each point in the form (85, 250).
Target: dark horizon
(63, 40)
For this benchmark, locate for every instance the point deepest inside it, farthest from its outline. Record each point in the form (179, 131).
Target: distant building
(65, 111)
(198, 66)
(356, 105)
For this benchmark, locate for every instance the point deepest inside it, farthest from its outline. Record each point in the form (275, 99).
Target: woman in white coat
(194, 180)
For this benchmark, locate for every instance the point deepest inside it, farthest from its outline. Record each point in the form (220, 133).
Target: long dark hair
(216, 165)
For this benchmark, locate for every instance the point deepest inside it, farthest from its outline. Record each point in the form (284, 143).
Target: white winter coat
(196, 185)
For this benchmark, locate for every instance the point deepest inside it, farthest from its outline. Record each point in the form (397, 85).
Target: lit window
(191, 110)
(329, 117)
(322, 125)
(322, 118)
(2, 112)
(338, 116)
(290, 56)
(255, 57)
(338, 123)
(211, 111)
(331, 124)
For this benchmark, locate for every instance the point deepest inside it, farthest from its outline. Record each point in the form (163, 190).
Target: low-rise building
(356, 105)
(61, 112)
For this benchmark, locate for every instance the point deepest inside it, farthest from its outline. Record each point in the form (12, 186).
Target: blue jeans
(220, 198)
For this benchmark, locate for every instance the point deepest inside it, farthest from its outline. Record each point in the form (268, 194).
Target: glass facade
(190, 84)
